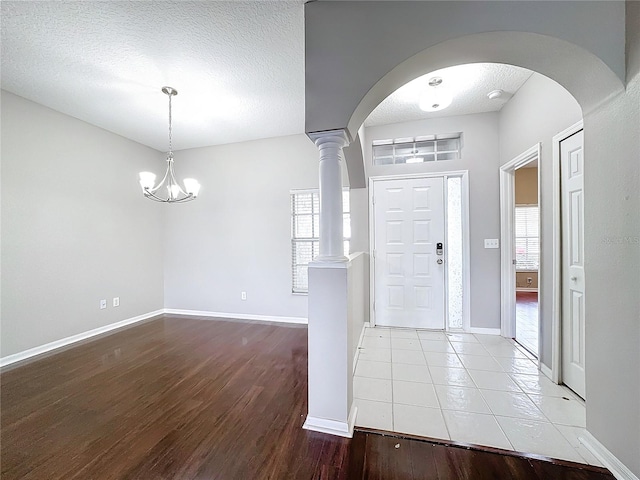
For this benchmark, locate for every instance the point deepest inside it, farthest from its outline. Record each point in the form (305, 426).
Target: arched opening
(581, 73)
(406, 147)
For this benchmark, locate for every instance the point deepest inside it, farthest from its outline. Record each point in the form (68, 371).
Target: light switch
(491, 243)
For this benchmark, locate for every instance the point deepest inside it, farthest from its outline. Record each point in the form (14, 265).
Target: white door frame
(507, 226)
(556, 306)
(466, 277)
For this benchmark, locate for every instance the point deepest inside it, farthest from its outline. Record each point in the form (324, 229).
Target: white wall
(480, 156)
(537, 112)
(75, 227)
(237, 236)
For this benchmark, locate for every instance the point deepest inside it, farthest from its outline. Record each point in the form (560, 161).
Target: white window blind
(305, 233)
(527, 237)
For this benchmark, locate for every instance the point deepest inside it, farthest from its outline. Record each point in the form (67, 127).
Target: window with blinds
(430, 148)
(527, 237)
(305, 233)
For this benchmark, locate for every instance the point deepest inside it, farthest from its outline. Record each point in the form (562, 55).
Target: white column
(330, 144)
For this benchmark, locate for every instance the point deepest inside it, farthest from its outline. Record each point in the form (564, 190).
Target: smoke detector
(492, 95)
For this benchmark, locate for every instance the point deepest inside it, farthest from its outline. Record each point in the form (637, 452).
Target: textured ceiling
(469, 85)
(238, 66)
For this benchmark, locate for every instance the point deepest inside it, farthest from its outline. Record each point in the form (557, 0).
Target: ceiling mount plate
(169, 91)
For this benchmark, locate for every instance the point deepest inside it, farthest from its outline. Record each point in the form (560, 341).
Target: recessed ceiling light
(492, 95)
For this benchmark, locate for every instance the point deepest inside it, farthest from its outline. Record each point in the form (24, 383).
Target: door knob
(439, 261)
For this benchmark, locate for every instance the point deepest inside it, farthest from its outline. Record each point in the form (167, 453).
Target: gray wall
(537, 112)
(612, 262)
(480, 156)
(75, 227)
(237, 236)
(353, 47)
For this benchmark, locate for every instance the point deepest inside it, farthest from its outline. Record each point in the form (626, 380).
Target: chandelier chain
(170, 139)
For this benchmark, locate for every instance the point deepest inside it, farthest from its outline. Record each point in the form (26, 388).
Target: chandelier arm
(164, 179)
(155, 198)
(151, 196)
(175, 181)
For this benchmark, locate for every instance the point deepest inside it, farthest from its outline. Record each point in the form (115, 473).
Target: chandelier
(172, 191)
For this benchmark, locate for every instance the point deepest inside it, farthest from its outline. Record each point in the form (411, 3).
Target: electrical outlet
(116, 301)
(103, 304)
(243, 295)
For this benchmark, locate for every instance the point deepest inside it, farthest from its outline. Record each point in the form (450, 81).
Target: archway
(356, 55)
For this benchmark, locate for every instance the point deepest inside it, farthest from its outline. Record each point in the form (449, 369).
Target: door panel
(409, 283)
(573, 282)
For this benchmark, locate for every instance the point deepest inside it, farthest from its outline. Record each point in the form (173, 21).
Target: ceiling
(238, 67)
(469, 85)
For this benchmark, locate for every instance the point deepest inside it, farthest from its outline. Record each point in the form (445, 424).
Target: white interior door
(573, 285)
(409, 274)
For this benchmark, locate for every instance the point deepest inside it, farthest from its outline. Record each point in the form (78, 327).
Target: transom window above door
(430, 148)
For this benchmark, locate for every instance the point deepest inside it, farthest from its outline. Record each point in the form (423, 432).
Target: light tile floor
(480, 389)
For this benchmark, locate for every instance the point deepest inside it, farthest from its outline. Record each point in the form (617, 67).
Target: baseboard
(546, 371)
(483, 331)
(333, 427)
(608, 459)
(524, 289)
(237, 316)
(32, 352)
(356, 354)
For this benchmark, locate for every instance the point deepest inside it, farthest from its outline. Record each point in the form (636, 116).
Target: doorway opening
(527, 254)
(520, 235)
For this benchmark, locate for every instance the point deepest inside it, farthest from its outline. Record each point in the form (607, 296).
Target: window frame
(315, 236)
(415, 144)
(527, 237)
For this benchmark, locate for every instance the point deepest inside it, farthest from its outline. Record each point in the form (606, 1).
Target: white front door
(573, 285)
(408, 217)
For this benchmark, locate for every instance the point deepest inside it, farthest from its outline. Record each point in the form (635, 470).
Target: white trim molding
(236, 316)
(556, 263)
(608, 459)
(507, 209)
(47, 347)
(545, 370)
(356, 354)
(483, 330)
(333, 427)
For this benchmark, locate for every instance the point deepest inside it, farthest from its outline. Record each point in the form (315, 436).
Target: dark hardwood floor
(181, 398)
